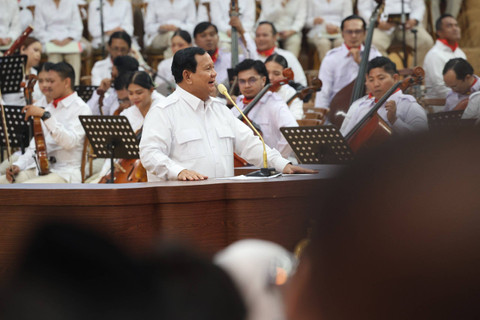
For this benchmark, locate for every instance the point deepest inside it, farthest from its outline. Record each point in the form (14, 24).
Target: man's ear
(187, 76)
(396, 77)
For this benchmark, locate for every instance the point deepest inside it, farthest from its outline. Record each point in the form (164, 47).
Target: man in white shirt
(340, 66)
(164, 17)
(459, 76)
(266, 39)
(119, 44)
(473, 108)
(271, 112)
(401, 111)
(57, 24)
(289, 19)
(117, 16)
(9, 23)
(445, 48)
(206, 37)
(192, 136)
(386, 31)
(63, 132)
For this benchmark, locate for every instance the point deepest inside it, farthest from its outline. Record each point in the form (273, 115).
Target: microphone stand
(404, 38)
(102, 28)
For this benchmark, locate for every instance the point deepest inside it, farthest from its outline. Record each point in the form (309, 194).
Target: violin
(372, 130)
(462, 105)
(41, 147)
(301, 94)
(127, 170)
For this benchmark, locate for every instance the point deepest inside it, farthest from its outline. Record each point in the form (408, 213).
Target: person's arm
(94, 19)
(40, 26)
(300, 17)
(248, 14)
(365, 9)
(414, 119)
(417, 10)
(473, 108)
(15, 29)
(75, 27)
(151, 24)
(326, 75)
(127, 23)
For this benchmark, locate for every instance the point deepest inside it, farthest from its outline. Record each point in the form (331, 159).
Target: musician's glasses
(251, 81)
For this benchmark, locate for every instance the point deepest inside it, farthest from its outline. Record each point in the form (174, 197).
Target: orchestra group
(185, 129)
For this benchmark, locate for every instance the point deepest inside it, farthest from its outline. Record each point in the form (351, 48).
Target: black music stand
(448, 120)
(11, 73)
(318, 144)
(85, 92)
(111, 137)
(18, 129)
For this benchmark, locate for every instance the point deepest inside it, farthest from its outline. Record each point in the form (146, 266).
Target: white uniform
(473, 108)
(117, 15)
(64, 137)
(102, 69)
(338, 70)
(9, 21)
(219, 14)
(299, 74)
(433, 65)
(271, 113)
(453, 98)
(410, 115)
(185, 132)
(296, 106)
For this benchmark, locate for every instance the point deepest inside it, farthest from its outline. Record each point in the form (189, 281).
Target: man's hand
(391, 108)
(105, 84)
(167, 27)
(410, 24)
(5, 41)
(384, 25)
(286, 34)
(190, 175)
(290, 168)
(12, 172)
(237, 24)
(318, 20)
(32, 111)
(355, 53)
(332, 29)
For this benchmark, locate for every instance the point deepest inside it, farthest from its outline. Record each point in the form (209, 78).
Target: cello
(372, 130)
(43, 164)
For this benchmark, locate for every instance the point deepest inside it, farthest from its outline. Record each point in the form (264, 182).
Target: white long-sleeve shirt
(338, 69)
(271, 113)
(411, 116)
(64, 136)
(292, 16)
(453, 98)
(332, 12)
(219, 14)
(473, 108)
(433, 65)
(299, 74)
(101, 69)
(185, 132)
(117, 15)
(296, 106)
(415, 8)
(181, 13)
(52, 23)
(9, 19)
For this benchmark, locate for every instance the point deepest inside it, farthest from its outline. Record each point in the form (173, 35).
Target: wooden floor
(208, 214)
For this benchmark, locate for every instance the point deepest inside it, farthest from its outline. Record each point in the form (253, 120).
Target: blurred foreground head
(398, 237)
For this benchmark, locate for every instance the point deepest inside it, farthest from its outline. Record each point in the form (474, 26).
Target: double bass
(372, 130)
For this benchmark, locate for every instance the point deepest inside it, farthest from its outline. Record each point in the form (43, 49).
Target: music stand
(85, 92)
(448, 120)
(111, 137)
(11, 73)
(318, 144)
(18, 129)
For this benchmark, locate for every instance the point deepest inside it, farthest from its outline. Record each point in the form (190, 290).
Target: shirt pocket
(190, 144)
(226, 140)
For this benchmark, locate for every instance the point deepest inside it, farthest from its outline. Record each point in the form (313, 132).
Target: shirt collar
(445, 42)
(267, 53)
(65, 101)
(193, 101)
(346, 49)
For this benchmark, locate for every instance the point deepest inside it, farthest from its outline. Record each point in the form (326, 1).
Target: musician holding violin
(270, 112)
(62, 131)
(401, 112)
(458, 75)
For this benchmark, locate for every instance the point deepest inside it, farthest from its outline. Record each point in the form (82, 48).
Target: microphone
(265, 171)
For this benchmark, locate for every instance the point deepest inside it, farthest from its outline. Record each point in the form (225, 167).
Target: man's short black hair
(354, 17)
(64, 70)
(202, 26)
(384, 63)
(439, 22)
(185, 60)
(122, 81)
(248, 64)
(46, 66)
(460, 66)
(120, 35)
(125, 64)
(274, 30)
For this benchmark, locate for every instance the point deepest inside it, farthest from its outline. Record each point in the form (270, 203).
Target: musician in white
(458, 75)
(289, 17)
(63, 132)
(387, 31)
(401, 111)
(117, 16)
(9, 23)
(192, 136)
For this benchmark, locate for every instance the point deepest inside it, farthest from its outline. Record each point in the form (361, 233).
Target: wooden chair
(310, 122)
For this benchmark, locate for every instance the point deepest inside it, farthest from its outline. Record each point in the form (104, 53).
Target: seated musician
(192, 136)
(459, 76)
(270, 113)
(62, 131)
(401, 111)
(121, 65)
(266, 41)
(119, 44)
(389, 27)
(340, 66)
(445, 48)
(206, 37)
(275, 65)
(473, 108)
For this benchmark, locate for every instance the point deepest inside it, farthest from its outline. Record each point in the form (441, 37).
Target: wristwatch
(45, 115)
